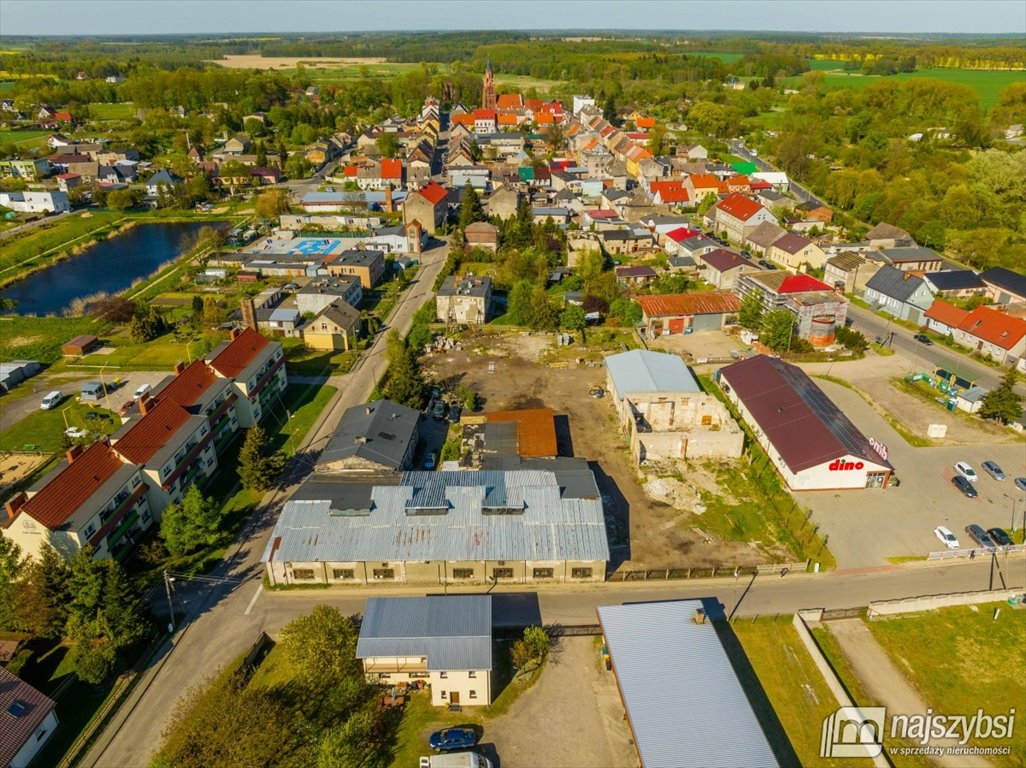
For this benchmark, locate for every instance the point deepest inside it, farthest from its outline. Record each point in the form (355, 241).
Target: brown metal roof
(536, 430)
(709, 303)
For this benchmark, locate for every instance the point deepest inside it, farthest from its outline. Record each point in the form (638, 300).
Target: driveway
(868, 526)
(571, 718)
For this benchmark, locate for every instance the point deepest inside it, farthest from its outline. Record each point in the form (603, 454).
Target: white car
(966, 471)
(946, 537)
(76, 432)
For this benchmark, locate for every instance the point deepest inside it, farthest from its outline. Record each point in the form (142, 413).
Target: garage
(675, 313)
(812, 443)
(676, 325)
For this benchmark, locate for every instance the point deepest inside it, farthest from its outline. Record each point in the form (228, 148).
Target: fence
(721, 571)
(572, 630)
(930, 602)
(955, 554)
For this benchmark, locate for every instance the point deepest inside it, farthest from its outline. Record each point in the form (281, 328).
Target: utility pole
(170, 605)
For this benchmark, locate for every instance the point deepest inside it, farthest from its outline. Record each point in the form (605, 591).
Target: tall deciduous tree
(43, 602)
(352, 744)
(192, 524)
(471, 209)
(321, 647)
(777, 329)
(750, 315)
(12, 568)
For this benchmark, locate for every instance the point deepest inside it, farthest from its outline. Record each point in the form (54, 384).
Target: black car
(439, 410)
(977, 534)
(1000, 537)
(454, 414)
(922, 338)
(964, 486)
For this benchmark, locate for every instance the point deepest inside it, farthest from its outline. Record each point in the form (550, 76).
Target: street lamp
(168, 580)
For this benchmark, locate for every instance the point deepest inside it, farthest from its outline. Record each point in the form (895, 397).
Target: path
(38, 222)
(885, 683)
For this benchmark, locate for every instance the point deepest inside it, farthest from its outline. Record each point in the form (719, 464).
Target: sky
(95, 17)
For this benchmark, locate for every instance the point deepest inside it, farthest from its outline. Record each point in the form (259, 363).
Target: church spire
(488, 87)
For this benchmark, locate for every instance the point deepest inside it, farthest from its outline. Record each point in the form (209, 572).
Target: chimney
(699, 616)
(388, 199)
(179, 368)
(370, 409)
(906, 275)
(145, 404)
(73, 453)
(14, 504)
(248, 317)
(361, 439)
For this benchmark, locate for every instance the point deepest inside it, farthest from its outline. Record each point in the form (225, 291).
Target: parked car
(126, 407)
(455, 411)
(290, 287)
(439, 410)
(142, 390)
(431, 460)
(452, 738)
(1020, 483)
(52, 400)
(977, 534)
(964, 486)
(1000, 537)
(992, 469)
(91, 391)
(947, 537)
(966, 471)
(922, 338)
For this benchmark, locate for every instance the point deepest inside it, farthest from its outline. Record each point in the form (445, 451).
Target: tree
(321, 647)
(609, 111)
(519, 303)
(707, 202)
(572, 318)
(777, 330)
(657, 140)
(352, 744)
(147, 324)
(404, 383)
(852, 339)
(123, 199)
(273, 203)
(750, 315)
(627, 311)
(531, 650)
(1002, 403)
(297, 167)
(12, 568)
(544, 315)
(257, 466)
(42, 604)
(234, 174)
(387, 144)
(194, 523)
(471, 209)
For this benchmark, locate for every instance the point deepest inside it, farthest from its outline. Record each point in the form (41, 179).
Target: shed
(80, 345)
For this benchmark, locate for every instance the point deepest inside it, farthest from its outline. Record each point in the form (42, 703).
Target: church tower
(488, 92)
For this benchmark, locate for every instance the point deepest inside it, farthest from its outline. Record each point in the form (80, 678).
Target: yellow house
(335, 328)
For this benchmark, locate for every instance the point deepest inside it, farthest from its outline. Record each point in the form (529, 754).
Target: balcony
(189, 458)
(266, 377)
(394, 665)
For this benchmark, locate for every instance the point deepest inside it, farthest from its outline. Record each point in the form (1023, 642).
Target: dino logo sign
(840, 465)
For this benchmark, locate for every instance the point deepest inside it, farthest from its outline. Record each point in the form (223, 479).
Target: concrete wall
(692, 425)
(931, 602)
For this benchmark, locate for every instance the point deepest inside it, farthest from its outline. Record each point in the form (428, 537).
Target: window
(443, 675)
(135, 481)
(502, 573)
(472, 673)
(543, 573)
(443, 694)
(463, 573)
(146, 514)
(343, 573)
(581, 573)
(473, 694)
(304, 574)
(89, 531)
(384, 573)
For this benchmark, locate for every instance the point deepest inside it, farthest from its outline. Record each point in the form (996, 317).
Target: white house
(27, 721)
(36, 202)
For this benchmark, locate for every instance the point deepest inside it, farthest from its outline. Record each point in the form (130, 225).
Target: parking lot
(866, 527)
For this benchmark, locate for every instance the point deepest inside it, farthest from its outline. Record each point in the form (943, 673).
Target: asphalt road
(209, 637)
(926, 358)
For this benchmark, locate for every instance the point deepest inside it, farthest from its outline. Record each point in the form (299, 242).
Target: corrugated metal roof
(453, 632)
(449, 519)
(684, 700)
(643, 371)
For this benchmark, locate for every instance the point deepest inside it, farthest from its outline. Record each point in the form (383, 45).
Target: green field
(726, 58)
(988, 83)
(6, 85)
(40, 338)
(111, 111)
(59, 232)
(43, 429)
(24, 138)
(329, 75)
(961, 659)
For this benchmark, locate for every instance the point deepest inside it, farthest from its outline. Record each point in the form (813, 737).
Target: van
(92, 391)
(142, 390)
(52, 400)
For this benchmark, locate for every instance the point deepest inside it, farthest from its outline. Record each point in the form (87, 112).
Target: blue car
(452, 738)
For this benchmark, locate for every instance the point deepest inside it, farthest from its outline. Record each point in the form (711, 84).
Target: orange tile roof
(151, 432)
(946, 313)
(645, 122)
(66, 492)
(510, 101)
(433, 192)
(544, 117)
(391, 169)
(464, 119)
(536, 430)
(709, 303)
(233, 359)
(188, 386)
(507, 118)
(704, 181)
(994, 327)
(484, 114)
(671, 191)
(739, 206)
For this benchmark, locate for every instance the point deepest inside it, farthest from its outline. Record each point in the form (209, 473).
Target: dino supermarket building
(812, 443)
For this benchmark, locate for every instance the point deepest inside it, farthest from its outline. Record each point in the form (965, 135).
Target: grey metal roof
(454, 632)
(893, 282)
(686, 706)
(916, 253)
(643, 371)
(445, 516)
(380, 431)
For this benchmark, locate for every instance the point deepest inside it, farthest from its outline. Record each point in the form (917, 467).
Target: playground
(300, 246)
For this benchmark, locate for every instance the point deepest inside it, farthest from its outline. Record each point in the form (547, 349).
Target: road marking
(253, 601)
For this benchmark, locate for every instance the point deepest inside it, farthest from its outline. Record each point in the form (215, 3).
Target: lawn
(961, 659)
(305, 402)
(24, 138)
(791, 680)
(40, 338)
(726, 58)
(99, 111)
(43, 429)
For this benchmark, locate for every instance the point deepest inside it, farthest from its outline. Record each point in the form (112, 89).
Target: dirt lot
(15, 467)
(529, 736)
(660, 536)
(247, 61)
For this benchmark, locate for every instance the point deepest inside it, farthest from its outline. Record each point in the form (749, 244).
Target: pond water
(111, 266)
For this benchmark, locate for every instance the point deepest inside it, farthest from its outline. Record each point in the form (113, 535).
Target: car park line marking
(253, 601)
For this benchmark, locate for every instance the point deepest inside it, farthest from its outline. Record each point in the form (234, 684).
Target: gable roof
(723, 260)
(953, 280)
(885, 231)
(893, 282)
(433, 192)
(739, 206)
(766, 234)
(680, 234)
(240, 352)
(341, 313)
(946, 314)
(904, 254)
(72, 485)
(391, 168)
(671, 191)
(706, 303)
(644, 371)
(635, 271)
(380, 431)
(151, 432)
(1006, 280)
(188, 387)
(791, 243)
(805, 427)
(17, 730)
(994, 327)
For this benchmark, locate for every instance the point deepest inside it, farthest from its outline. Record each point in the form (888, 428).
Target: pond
(111, 266)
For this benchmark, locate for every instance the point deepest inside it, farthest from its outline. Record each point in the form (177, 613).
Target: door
(454, 697)
(676, 325)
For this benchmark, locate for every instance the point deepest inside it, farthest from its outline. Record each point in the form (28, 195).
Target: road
(210, 638)
(38, 222)
(924, 358)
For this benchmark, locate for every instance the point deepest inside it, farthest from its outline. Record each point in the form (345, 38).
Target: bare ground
(248, 61)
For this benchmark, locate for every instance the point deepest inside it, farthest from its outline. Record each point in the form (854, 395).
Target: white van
(456, 760)
(142, 390)
(52, 400)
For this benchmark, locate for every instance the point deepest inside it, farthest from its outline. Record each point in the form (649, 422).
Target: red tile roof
(945, 313)
(801, 283)
(510, 101)
(536, 430)
(234, 358)
(433, 192)
(708, 303)
(507, 118)
(391, 169)
(739, 206)
(601, 213)
(188, 387)
(670, 191)
(483, 114)
(79, 480)
(544, 117)
(994, 327)
(351, 171)
(18, 730)
(151, 432)
(465, 119)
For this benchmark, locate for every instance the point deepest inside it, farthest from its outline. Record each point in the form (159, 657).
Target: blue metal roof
(686, 706)
(643, 371)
